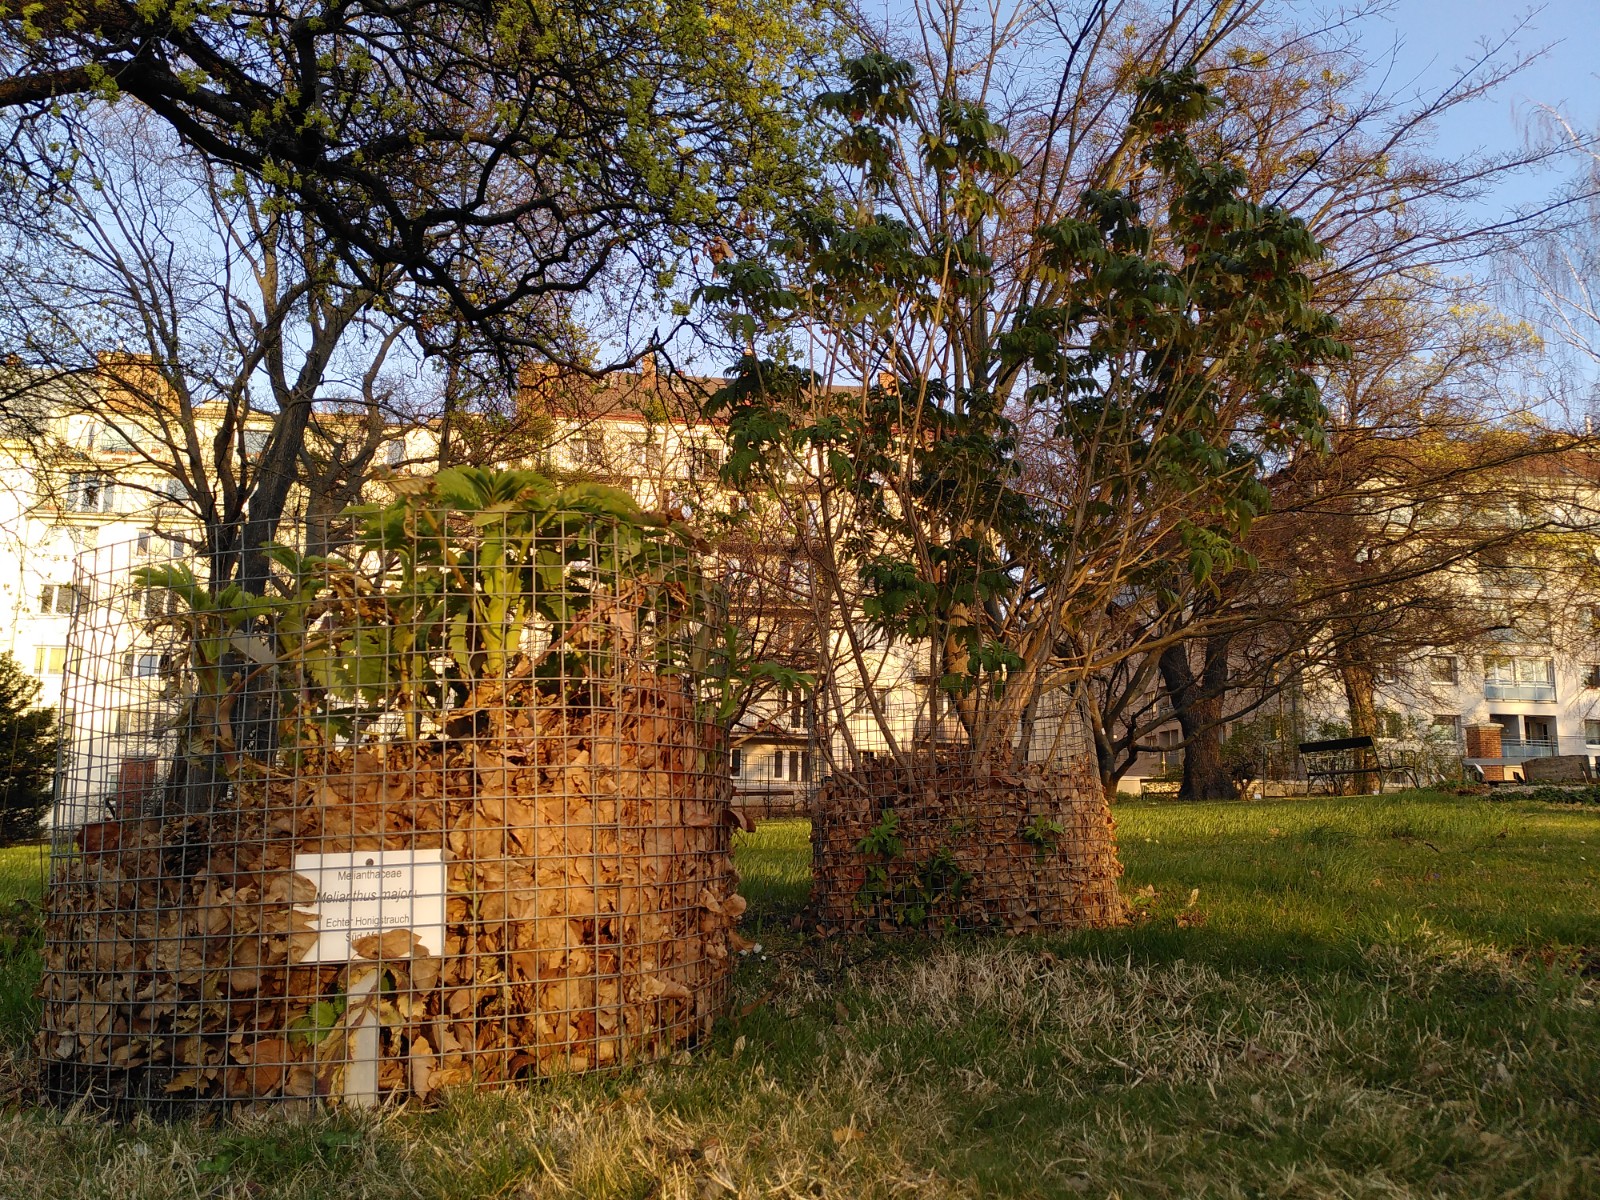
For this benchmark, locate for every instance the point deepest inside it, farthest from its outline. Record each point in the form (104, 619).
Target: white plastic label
(374, 891)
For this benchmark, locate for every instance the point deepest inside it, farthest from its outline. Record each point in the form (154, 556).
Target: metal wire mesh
(915, 830)
(448, 809)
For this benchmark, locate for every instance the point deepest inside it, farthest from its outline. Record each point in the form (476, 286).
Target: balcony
(1493, 690)
(1512, 750)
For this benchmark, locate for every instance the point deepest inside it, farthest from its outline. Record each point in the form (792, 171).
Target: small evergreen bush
(28, 742)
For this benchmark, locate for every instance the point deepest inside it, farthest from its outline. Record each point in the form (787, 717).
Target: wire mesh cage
(449, 808)
(918, 829)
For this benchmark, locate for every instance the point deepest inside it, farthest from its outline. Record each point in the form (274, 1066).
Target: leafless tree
(202, 324)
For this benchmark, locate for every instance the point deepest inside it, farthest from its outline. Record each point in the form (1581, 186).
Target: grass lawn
(1364, 997)
(21, 877)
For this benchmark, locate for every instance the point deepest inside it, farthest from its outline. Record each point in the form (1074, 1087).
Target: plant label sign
(374, 892)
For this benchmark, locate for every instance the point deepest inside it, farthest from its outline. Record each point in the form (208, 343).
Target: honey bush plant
(469, 563)
(515, 685)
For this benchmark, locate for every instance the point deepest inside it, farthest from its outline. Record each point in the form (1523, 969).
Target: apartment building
(95, 497)
(1544, 694)
(81, 500)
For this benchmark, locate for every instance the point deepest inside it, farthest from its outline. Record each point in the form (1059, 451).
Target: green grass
(1321, 880)
(21, 877)
(1365, 997)
(774, 865)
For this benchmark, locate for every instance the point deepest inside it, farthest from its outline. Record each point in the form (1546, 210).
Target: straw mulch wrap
(589, 915)
(943, 846)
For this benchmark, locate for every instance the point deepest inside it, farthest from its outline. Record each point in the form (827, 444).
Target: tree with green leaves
(476, 184)
(496, 158)
(29, 740)
(1312, 129)
(435, 601)
(1430, 404)
(1002, 423)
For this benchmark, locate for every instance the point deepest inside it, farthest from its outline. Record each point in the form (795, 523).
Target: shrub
(28, 742)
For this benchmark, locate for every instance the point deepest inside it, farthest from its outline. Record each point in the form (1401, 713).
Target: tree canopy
(1009, 472)
(498, 155)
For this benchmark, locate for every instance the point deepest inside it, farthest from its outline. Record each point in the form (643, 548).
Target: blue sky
(1431, 37)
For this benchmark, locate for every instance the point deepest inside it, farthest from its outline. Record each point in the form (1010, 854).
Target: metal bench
(1332, 759)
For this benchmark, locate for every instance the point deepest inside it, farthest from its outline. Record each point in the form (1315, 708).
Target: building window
(131, 722)
(797, 768)
(58, 599)
(89, 493)
(588, 450)
(1519, 678)
(143, 664)
(394, 453)
(49, 660)
(864, 697)
(735, 762)
(1591, 733)
(255, 443)
(111, 440)
(1442, 668)
(1168, 756)
(1447, 723)
(797, 708)
(1591, 675)
(153, 544)
(704, 462)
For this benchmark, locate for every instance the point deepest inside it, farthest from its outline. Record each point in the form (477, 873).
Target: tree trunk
(1105, 754)
(1197, 702)
(1355, 673)
(1205, 774)
(275, 476)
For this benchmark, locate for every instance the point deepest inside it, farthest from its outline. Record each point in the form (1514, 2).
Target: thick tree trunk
(1205, 774)
(1356, 675)
(1197, 702)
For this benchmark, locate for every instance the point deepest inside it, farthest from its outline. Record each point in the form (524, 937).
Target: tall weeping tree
(1003, 423)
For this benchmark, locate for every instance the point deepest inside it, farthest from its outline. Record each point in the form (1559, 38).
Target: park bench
(1161, 789)
(1334, 758)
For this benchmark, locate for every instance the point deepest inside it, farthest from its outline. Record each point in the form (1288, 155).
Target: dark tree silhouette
(28, 742)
